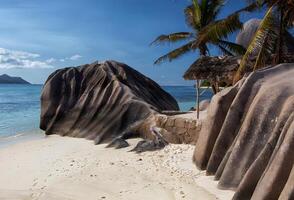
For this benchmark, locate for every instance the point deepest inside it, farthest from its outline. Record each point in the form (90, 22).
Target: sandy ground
(58, 168)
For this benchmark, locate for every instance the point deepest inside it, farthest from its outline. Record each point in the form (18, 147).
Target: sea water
(186, 95)
(20, 106)
(19, 109)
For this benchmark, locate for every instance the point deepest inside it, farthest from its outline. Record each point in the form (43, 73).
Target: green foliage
(201, 17)
(231, 47)
(216, 30)
(205, 83)
(176, 53)
(268, 39)
(264, 35)
(174, 37)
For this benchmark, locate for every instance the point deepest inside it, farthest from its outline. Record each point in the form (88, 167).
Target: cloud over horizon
(72, 58)
(13, 59)
(75, 57)
(10, 59)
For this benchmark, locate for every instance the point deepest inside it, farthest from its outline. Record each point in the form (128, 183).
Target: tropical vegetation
(202, 17)
(268, 41)
(206, 29)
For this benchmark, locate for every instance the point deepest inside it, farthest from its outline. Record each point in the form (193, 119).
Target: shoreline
(8, 141)
(72, 168)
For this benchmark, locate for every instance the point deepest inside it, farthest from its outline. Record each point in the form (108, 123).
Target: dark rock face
(5, 79)
(247, 141)
(100, 101)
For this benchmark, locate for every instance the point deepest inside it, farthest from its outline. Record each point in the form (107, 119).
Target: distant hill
(5, 79)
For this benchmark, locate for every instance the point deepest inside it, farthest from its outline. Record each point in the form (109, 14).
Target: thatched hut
(221, 70)
(216, 70)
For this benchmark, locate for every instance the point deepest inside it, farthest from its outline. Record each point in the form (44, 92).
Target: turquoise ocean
(20, 106)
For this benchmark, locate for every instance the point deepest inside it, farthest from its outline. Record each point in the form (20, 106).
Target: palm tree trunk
(203, 52)
(217, 86)
(198, 97)
(214, 86)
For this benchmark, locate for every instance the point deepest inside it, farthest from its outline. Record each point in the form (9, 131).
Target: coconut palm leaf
(234, 48)
(176, 53)
(201, 17)
(219, 29)
(189, 16)
(214, 9)
(289, 13)
(204, 6)
(174, 37)
(222, 28)
(193, 16)
(225, 51)
(261, 3)
(267, 48)
(253, 5)
(262, 41)
(197, 12)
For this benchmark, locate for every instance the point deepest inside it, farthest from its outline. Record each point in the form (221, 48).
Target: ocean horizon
(20, 106)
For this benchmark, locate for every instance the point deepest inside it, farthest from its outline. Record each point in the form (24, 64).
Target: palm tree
(268, 40)
(206, 29)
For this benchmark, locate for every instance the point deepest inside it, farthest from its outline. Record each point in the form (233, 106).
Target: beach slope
(69, 168)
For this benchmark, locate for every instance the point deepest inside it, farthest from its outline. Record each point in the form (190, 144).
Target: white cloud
(50, 60)
(75, 57)
(19, 59)
(72, 58)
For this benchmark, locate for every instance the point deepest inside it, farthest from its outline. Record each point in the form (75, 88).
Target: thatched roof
(211, 67)
(218, 68)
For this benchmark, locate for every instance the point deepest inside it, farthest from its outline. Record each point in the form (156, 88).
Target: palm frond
(260, 3)
(173, 37)
(190, 17)
(267, 48)
(253, 6)
(204, 6)
(225, 51)
(214, 9)
(289, 13)
(197, 12)
(262, 41)
(219, 30)
(236, 49)
(176, 53)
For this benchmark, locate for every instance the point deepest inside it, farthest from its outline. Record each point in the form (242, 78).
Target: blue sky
(37, 37)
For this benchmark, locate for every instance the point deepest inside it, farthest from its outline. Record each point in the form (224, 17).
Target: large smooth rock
(203, 105)
(247, 141)
(100, 101)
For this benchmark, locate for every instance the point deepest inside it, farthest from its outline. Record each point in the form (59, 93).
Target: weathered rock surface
(247, 141)
(204, 104)
(101, 101)
(180, 129)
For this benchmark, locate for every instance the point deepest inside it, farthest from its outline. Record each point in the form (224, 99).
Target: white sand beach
(69, 168)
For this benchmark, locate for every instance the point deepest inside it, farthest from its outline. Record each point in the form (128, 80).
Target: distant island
(6, 79)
